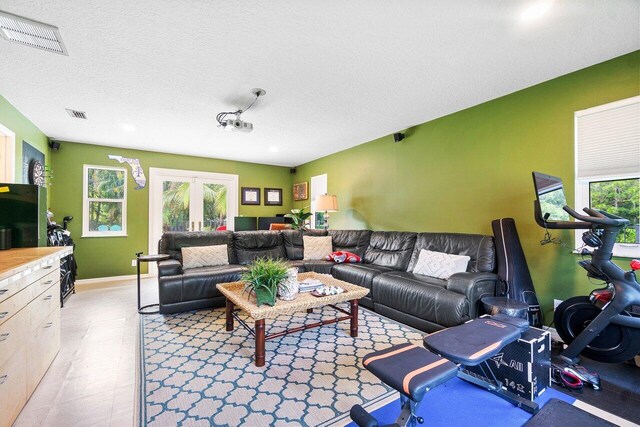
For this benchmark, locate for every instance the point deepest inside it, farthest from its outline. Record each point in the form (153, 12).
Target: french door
(190, 201)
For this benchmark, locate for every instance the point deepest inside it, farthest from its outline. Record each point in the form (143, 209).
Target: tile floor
(92, 380)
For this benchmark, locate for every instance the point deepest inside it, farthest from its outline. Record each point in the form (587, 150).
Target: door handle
(199, 225)
(193, 226)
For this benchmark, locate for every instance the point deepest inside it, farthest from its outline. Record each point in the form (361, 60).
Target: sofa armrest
(169, 267)
(474, 286)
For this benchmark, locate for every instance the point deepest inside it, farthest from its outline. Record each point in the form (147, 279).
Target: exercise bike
(601, 326)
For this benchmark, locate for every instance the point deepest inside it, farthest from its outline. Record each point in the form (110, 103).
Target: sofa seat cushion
(200, 283)
(358, 274)
(421, 296)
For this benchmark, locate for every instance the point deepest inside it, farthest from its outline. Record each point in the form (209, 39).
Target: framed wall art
(301, 191)
(250, 196)
(273, 196)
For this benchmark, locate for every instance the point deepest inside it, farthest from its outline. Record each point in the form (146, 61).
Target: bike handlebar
(597, 217)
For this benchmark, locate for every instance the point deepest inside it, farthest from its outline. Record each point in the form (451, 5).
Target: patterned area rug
(194, 373)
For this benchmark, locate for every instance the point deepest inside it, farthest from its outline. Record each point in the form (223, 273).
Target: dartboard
(36, 173)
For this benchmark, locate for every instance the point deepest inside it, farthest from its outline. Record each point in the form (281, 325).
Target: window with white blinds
(608, 139)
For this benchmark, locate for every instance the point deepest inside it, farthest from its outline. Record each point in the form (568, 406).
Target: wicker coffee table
(238, 300)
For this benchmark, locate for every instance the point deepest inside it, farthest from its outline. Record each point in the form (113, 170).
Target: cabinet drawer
(43, 345)
(42, 305)
(13, 389)
(10, 306)
(44, 268)
(12, 335)
(10, 286)
(45, 282)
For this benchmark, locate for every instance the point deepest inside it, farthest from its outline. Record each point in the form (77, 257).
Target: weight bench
(413, 370)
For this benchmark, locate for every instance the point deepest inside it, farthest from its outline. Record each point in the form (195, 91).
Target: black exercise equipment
(413, 370)
(602, 326)
(514, 271)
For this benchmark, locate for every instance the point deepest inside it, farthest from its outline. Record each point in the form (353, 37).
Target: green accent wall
(459, 172)
(111, 256)
(12, 119)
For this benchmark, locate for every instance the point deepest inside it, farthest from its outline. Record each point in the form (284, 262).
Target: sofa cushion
(316, 248)
(355, 241)
(293, 244)
(440, 265)
(358, 274)
(200, 283)
(477, 247)
(204, 256)
(250, 245)
(172, 242)
(421, 296)
(391, 249)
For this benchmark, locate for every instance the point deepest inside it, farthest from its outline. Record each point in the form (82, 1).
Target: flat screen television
(551, 197)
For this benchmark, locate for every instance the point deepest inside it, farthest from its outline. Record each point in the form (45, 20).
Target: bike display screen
(550, 193)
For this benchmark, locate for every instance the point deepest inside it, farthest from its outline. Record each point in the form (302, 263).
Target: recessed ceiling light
(25, 31)
(536, 10)
(127, 127)
(273, 149)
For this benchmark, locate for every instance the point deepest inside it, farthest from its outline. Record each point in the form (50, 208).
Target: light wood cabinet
(29, 323)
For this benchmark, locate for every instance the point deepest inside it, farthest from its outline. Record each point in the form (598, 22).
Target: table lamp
(327, 203)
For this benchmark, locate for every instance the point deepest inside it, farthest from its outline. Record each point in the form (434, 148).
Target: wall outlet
(556, 303)
(133, 263)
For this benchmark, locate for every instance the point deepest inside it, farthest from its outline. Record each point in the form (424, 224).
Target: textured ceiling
(337, 73)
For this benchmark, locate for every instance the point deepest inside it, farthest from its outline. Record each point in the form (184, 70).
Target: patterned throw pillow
(316, 248)
(439, 264)
(204, 256)
(342, 256)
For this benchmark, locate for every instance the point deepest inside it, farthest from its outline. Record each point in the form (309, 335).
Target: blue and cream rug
(194, 373)
(197, 374)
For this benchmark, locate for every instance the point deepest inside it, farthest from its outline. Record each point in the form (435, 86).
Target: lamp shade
(327, 203)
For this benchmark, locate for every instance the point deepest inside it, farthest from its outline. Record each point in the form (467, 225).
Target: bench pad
(475, 341)
(410, 369)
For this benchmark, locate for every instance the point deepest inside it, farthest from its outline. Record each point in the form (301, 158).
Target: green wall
(459, 172)
(25, 131)
(111, 256)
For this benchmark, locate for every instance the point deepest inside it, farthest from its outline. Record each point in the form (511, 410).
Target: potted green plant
(263, 277)
(299, 217)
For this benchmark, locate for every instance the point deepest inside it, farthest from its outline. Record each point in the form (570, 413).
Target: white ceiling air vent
(31, 33)
(77, 114)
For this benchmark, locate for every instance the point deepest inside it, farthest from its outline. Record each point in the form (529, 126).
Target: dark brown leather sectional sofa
(423, 302)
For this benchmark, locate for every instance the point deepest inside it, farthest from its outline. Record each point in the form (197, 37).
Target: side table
(147, 258)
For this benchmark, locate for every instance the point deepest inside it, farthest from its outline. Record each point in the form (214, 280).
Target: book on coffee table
(310, 284)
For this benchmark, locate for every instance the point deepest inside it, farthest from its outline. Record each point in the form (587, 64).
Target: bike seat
(477, 340)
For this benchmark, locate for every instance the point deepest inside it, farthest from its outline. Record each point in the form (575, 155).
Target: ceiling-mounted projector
(238, 125)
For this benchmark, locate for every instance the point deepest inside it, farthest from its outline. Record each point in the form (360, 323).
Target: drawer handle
(3, 314)
(48, 282)
(3, 378)
(2, 291)
(48, 325)
(48, 297)
(46, 267)
(4, 336)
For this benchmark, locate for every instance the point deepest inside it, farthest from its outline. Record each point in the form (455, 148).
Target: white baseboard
(108, 281)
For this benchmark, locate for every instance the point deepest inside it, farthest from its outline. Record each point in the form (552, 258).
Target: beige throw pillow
(316, 248)
(204, 256)
(439, 264)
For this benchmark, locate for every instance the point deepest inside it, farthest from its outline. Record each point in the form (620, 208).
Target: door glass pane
(175, 206)
(214, 206)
